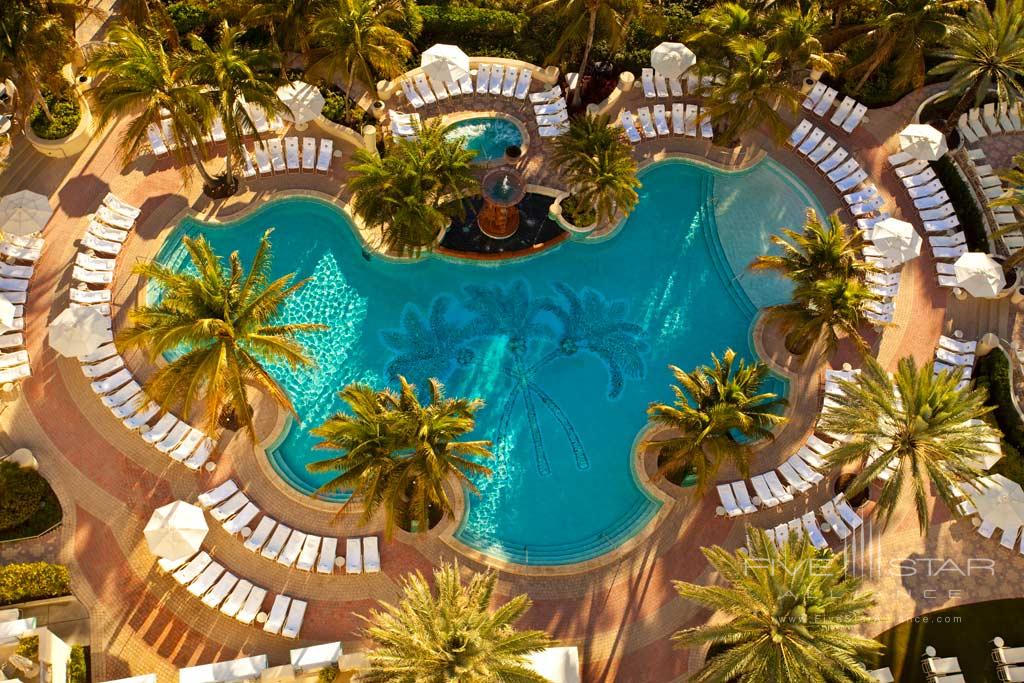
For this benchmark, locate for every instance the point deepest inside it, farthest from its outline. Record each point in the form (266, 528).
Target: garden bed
(65, 115)
(992, 373)
(961, 196)
(34, 581)
(28, 506)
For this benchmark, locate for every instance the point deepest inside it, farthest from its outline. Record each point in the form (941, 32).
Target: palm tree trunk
(961, 106)
(349, 100)
(207, 178)
(591, 30)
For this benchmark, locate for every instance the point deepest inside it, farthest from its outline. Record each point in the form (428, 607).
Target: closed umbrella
(79, 331)
(445, 62)
(1000, 501)
(305, 101)
(7, 314)
(979, 275)
(176, 530)
(922, 141)
(24, 212)
(672, 60)
(896, 239)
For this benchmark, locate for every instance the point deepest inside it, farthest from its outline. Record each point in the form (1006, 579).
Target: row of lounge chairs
(162, 139)
(278, 542)
(656, 85)
(234, 597)
(942, 669)
(686, 119)
(848, 115)
(284, 155)
(20, 254)
(405, 126)
(491, 79)
(552, 117)
(991, 119)
(840, 516)
(310, 659)
(955, 355)
(1009, 662)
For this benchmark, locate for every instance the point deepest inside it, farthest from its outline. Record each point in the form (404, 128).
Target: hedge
(34, 581)
(187, 17)
(64, 117)
(972, 222)
(21, 494)
(992, 373)
(476, 30)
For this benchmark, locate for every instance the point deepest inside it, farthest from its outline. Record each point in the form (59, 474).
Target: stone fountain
(503, 189)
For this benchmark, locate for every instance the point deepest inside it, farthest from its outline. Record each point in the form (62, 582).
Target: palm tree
(790, 611)
(582, 20)
(749, 91)
(222, 324)
(796, 34)
(141, 80)
(597, 163)
(34, 46)
(360, 39)
(287, 22)
(718, 410)
(398, 453)
(984, 51)
(406, 192)
(451, 636)
(233, 76)
(918, 422)
(821, 311)
(719, 24)
(823, 250)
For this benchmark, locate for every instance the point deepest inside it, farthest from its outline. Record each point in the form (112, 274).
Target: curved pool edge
(449, 120)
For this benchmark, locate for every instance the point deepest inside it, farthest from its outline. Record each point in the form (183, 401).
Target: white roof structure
(557, 664)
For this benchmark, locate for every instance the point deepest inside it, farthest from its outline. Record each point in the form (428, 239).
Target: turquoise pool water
(567, 348)
(488, 136)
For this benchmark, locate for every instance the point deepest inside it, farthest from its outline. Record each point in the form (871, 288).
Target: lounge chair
(647, 79)
(549, 108)
(692, 82)
(308, 154)
(553, 131)
(814, 95)
(291, 153)
(188, 445)
(763, 492)
(646, 122)
(729, 506)
(411, 95)
(230, 507)
(675, 88)
(628, 125)
(813, 459)
(424, 89)
(328, 553)
(868, 207)
(218, 494)
(932, 201)
(371, 555)
(926, 190)
(260, 534)
(278, 612)
(974, 119)
(856, 116)
(114, 203)
(923, 178)
(236, 599)
(273, 547)
(262, 156)
(660, 122)
(851, 181)
(810, 523)
(292, 548)
(545, 96)
(159, 431)
(991, 119)
(308, 554)
(483, 79)
(937, 213)
(965, 129)
(173, 437)
(220, 590)
(1009, 537)
(293, 624)
(553, 119)
(248, 170)
(252, 606)
(842, 111)
(106, 232)
(706, 130)
(957, 345)
(323, 159)
(497, 79)
(822, 151)
(465, 84)
(277, 155)
(839, 528)
(869, 192)
(826, 101)
(777, 488)
(1008, 656)
(956, 239)
(91, 277)
(987, 528)
(508, 86)
(241, 520)
(353, 557)
(103, 368)
(837, 157)
(170, 564)
(742, 495)
(156, 143)
(122, 395)
(843, 170)
(1013, 112)
(678, 118)
(941, 665)
(104, 352)
(793, 478)
(811, 141)
(660, 85)
(141, 418)
(438, 87)
(690, 122)
(803, 469)
(800, 132)
(187, 573)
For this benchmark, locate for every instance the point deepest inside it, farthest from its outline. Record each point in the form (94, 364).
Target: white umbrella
(7, 311)
(445, 62)
(24, 212)
(1000, 501)
(672, 60)
(979, 275)
(896, 239)
(923, 142)
(305, 101)
(79, 331)
(176, 530)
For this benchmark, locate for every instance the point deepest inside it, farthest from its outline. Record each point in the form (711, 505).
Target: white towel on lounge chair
(483, 79)
(678, 118)
(523, 84)
(937, 213)
(647, 79)
(912, 169)
(103, 368)
(291, 153)
(646, 122)
(729, 505)
(106, 232)
(292, 548)
(792, 477)
(845, 169)
(550, 108)
(201, 454)
(353, 556)
(206, 579)
(278, 612)
(440, 91)
(307, 556)
(932, 201)
(218, 494)
(763, 492)
(122, 395)
(810, 523)
(847, 512)
(926, 190)
(675, 87)
(855, 118)
(94, 262)
(241, 520)
(277, 155)
(260, 534)
(465, 84)
(91, 277)
(626, 120)
(220, 591)
(497, 79)
(173, 437)
(660, 85)
(101, 245)
(545, 96)
(660, 122)
(508, 87)
(323, 160)
(803, 469)
(230, 507)
(923, 178)
(814, 95)
(742, 496)
(308, 153)
(293, 624)
(852, 181)
(811, 141)
(842, 111)
(106, 215)
(777, 488)
(822, 151)
(273, 547)
(142, 417)
(328, 553)
(371, 555)
(826, 101)
(837, 157)
(410, 94)
(800, 132)
(188, 573)
(158, 431)
(120, 206)
(156, 143)
(252, 606)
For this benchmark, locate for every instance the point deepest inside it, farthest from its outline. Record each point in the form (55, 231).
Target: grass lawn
(964, 632)
(48, 515)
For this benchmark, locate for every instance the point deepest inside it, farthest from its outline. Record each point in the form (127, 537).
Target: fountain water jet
(503, 189)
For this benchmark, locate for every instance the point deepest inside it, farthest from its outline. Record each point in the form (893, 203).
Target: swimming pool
(567, 348)
(488, 136)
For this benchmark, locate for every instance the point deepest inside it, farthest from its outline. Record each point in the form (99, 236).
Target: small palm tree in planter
(718, 411)
(597, 163)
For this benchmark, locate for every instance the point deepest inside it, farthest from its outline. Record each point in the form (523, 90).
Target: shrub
(992, 373)
(34, 581)
(474, 29)
(78, 668)
(328, 674)
(187, 17)
(28, 647)
(972, 222)
(64, 117)
(21, 494)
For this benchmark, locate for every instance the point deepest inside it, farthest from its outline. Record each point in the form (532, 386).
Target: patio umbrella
(305, 101)
(1000, 501)
(79, 331)
(672, 60)
(7, 311)
(923, 142)
(979, 275)
(896, 239)
(445, 62)
(176, 530)
(24, 212)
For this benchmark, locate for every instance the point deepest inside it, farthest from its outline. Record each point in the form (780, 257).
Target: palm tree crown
(718, 409)
(916, 421)
(823, 311)
(823, 250)
(222, 323)
(451, 636)
(790, 613)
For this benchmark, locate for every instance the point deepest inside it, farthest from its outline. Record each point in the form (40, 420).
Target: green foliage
(992, 373)
(28, 647)
(328, 674)
(64, 117)
(972, 222)
(336, 106)
(188, 17)
(21, 494)
(33, 581)
(78, 668)
(476, 30)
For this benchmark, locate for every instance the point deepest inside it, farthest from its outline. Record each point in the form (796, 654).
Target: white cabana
(922, 141)
(896, 239)
(979, 275)
(305, 101)
(672, 60)
(445, 62)
(1000, 501)
(79, 331)
(24, 212)
(7, 311)
(176, 530)
(557, 664)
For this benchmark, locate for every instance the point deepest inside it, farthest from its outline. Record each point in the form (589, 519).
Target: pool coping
(448, 120)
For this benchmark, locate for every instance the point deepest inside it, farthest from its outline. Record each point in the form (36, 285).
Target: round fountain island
(502, 189)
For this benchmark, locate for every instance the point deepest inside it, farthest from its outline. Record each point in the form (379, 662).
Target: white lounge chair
(308, 554)
(810, 523)
(811, 141)
(278, 612)
(777, 488)
(675, 88)
(411, 95)
(139, 406)
(1009, 537)
(206, 579)
(842, 111)
(838, 526)
(837, 157)
(277, 155)
(553, 131)
(241, 520)
(742, 496)
(822, 151)
(220, 590)
(550, 108)
(497, 79)
(293, 624)
(706, 130)
(626, 121)
(260, 534)
(660, 122)
(800, 132)
(323, 160)
(544, 96)
(882, 675)
(236, 599)
(187, 574)
(141, 418)
(729, 506)
(958, 345)
(523, 84)
(792, 478)
(328, 553)
(156, 143)
(991, 119)
(218, 494)
(424, 89)
(851, 181)
(678, 118)
(122, 207)
(103, 368)
(646, 122)
(856, 116)
(159, 431)
(465, 84)
(252, 606)
(508, 86)
(814, 95)
(690, 122)
(826, 101)
(308, 154)
(292, 548)
(937, 213)
(804, 470)
(230, 507)
(963, 125)
(647, 79)
(291, 153)
(843, 170)
(483, 79)
(371, 555)
(763, 492)
(122, 395)
(353, 557)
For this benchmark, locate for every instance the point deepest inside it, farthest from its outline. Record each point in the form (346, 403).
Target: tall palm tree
(821, 312)
(583, 20)
(232, 76)
(750, 90)
(451, 636)
(287, 22)
(407, 192)
(596, 161)
(718, 410)
(823, 250)
(34, 45)
(719, 24)
(222, 322)
(398, 453)
(360, 39)
(796, 34)
(143, 81)
(984, 51)
(790, 611)
(917, 422)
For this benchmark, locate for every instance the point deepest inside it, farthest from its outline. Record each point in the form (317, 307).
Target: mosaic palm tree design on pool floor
(508, 331)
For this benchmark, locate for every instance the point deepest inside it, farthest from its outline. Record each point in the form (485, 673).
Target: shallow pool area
(488, 136)
(567, 348)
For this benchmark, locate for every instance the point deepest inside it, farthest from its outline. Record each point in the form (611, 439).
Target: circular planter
(71, 145)
(555, 214)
